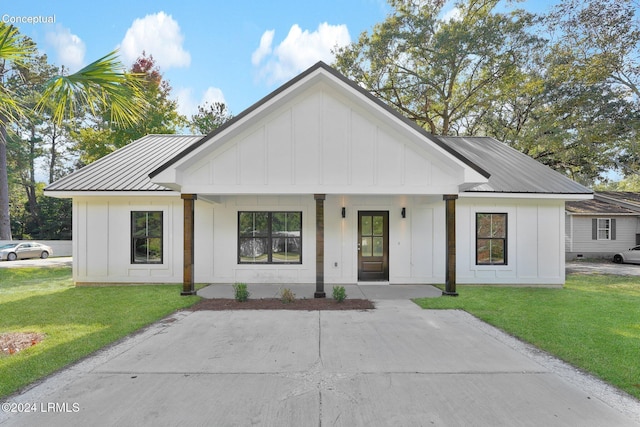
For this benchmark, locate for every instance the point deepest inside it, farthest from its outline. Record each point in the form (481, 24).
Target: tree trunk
(5, 222)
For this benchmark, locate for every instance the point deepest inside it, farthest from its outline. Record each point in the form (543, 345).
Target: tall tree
(101, 138)
(100, 84)
(436, 71)
(210, 116)
(600, 45)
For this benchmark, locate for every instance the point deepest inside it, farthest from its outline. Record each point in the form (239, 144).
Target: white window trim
(607, 228)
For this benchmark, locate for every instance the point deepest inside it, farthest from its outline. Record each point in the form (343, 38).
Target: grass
(76, 321)
(592, 323)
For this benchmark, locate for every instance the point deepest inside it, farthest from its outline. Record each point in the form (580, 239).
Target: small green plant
(241, 292)
(339, 294)
(287, 295)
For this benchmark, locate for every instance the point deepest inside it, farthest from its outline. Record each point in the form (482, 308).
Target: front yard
(75, 322)
(593, 322)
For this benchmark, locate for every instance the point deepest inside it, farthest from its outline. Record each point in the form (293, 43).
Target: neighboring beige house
(601, 227)
(318, 182)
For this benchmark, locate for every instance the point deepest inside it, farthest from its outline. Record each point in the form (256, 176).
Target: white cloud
(452, 15)
(188, 105)
(69, 48)
(265, 48)
(158, 35)
(298, 51)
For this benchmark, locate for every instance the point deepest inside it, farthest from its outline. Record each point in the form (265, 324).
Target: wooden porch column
(319, 246)
(450, 220)
(188, 287)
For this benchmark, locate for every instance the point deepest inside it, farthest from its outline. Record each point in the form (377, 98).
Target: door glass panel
(367, 247)
(378, 226)
(366, 226)
(378, 244)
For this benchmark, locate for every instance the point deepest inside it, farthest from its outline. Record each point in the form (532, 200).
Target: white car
(17, 250)
(630, 256)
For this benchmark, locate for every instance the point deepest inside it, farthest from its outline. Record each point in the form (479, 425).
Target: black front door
(373, 245)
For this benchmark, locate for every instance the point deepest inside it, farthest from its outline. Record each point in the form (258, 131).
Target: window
(604, 229)
(269, 237)
(146, 237)
(491, 238)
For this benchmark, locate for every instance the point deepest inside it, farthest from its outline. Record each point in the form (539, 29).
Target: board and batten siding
(102, 240)
(535, 242)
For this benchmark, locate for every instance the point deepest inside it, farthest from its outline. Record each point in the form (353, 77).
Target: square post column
(319, 246)
(450, 220)
(189, 201)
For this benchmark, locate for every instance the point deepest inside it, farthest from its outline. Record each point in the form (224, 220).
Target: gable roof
(126, 169)
(511, 171)
(607, 203)
(320, 66)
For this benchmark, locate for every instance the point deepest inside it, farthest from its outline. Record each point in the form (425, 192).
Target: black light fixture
(403, 212)
(344, 212)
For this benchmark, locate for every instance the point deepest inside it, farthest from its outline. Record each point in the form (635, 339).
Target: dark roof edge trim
(342, 78)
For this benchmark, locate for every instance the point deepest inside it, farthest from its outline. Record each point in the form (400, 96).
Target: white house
(319, 182)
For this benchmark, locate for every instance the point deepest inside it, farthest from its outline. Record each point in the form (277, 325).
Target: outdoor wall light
(403, 212)
(344, 212)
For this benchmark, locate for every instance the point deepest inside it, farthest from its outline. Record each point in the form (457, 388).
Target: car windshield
(8, 246)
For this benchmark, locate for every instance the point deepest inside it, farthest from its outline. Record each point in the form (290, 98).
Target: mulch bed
(13, 342)
(310, 304)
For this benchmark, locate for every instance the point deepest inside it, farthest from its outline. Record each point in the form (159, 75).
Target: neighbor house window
(146, 237)
(270, 237)
(491, 238)
(604, 229)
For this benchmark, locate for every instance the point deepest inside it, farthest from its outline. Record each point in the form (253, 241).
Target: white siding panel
(252, 161)
(363, 153)
(390, 168)
(280, 150)
(335, 142)
(225, 167)
(307, 134)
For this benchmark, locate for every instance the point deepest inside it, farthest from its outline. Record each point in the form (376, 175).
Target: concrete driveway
(37, 262)
(602, 267)
(397, 365)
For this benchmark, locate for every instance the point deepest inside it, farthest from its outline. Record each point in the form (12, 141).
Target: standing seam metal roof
(511, 171)
(127, 169)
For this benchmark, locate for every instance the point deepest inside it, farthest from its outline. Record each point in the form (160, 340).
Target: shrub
(339, 294)
(287, 295)
(241, 292)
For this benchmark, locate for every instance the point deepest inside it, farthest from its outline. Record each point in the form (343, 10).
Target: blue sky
(230, 51)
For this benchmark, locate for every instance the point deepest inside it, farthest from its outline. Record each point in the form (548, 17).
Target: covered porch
(347, 240)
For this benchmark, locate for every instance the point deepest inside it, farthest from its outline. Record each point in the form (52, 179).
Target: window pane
(254, 249)
(497, 251)
(254, 224)
(499, 225)
(154, 224)
(484, 251)
(378, 226)
(483, 225)
(366, 226)
(367, 246)
(378, 246)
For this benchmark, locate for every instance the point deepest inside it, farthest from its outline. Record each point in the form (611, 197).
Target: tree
(434, 71)
(101, 138)
(209, 118)
(98, 85)
(601, 46)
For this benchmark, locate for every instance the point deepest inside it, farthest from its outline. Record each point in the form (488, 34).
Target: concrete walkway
(397, 365)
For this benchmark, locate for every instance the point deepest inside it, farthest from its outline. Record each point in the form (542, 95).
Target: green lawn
(593, 322)
(76, 321)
